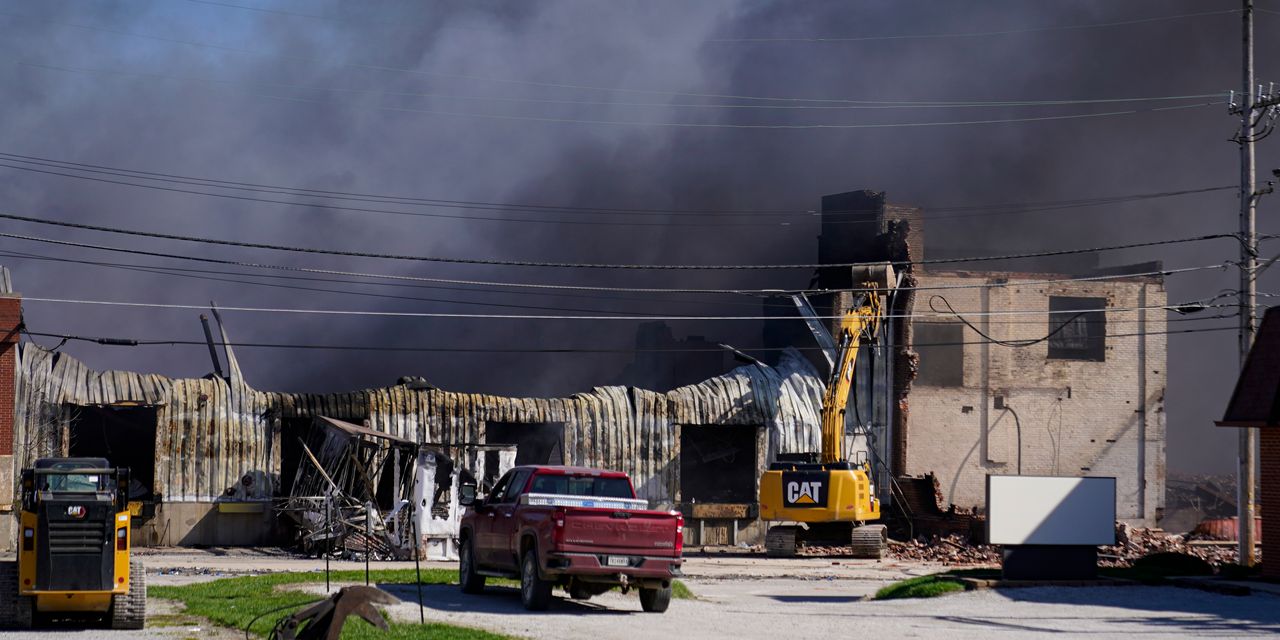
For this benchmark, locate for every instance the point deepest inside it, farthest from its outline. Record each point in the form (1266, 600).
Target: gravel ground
(778, 608)
(743, 596)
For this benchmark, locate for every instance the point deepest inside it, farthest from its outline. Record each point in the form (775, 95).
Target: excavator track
(780, 541)
(869, 541)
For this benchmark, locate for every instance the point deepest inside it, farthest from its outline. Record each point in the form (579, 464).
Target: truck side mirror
(466, 495)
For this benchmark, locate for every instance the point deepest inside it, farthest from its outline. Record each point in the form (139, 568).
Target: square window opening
(1078, 328)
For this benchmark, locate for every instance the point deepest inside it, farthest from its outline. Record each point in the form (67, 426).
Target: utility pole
(1258, 114)
(1248, 290)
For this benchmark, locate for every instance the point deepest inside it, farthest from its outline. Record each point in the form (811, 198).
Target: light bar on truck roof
(595, 502)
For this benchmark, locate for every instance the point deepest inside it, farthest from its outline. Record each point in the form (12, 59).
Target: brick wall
(1063, 417)
(1269, 500)
(10, 318)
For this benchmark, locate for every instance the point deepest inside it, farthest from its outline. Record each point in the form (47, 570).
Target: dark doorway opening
(536, 442)
(718, 464)
(292, 432)
(125, 436)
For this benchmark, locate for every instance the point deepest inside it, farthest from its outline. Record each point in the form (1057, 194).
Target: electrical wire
(978, 34)
(813, 217)
(843, 105)
(347, 292)
(1197, 306)
(979, 209)
(1095, 25)
(1004, 343)
(202, 274)
(415, 349)
(588, 265)
(558, 289)
(722, 125)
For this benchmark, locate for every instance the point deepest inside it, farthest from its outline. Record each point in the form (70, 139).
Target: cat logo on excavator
(799, 493)
(804, 489)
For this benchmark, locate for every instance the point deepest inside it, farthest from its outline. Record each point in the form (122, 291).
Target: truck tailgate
(613, 526)
(627, 531)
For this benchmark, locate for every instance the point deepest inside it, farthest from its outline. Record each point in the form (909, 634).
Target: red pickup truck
(578, 528)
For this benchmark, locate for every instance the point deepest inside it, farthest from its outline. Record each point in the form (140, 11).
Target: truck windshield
(582, 486)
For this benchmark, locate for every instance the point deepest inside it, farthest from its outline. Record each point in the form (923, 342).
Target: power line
(1094, 25)
(670, 318)
(589, 265)
(842, 105)
(814, 216)
(977, 34)
(331, 207)
(721, 125)
(983, 209)
(550, 350)
(557, 289)
(199, 274)
(348, 292)
(490, 283)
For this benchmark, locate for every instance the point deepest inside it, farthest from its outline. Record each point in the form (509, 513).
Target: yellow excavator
(829, 503)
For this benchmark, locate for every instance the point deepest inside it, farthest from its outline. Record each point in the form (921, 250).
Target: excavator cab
(74, 551)
(830, 501)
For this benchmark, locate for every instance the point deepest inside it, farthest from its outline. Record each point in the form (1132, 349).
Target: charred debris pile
(352, 491)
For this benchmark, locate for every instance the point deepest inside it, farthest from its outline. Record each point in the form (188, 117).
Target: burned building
(1050, 366)
(216, 455)
(1018, 372)
(1030, 377)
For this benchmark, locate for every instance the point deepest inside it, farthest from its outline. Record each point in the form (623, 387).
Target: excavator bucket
(324, 620)
(876, 276)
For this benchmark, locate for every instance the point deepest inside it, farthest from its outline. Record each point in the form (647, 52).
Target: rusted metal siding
(211, 432)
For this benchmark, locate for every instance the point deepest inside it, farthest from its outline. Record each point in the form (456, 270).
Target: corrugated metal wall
(211, 433)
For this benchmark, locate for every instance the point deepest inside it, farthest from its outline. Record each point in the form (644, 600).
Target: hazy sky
(584, 103)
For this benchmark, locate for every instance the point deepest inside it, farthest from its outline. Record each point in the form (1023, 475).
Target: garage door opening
(293, 431)
(718, 464)
(536, 442)
(125, 436)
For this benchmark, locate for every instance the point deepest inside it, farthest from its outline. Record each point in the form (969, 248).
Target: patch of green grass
(680, 591)
(930, 586)
(173, 620)
(234, 602)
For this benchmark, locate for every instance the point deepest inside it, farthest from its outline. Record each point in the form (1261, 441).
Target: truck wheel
(129, 610)
(579, 591)
(470, 580)
(655, 600)
(535, 593)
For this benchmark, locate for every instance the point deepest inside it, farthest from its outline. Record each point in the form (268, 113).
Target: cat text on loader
(830, 502)
(73, 550)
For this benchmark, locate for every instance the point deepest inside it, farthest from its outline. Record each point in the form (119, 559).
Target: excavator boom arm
(860, 320)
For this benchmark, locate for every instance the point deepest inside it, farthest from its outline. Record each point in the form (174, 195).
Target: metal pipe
(213, 353)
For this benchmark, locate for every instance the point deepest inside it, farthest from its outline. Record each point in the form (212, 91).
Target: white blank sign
(1027, 510)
